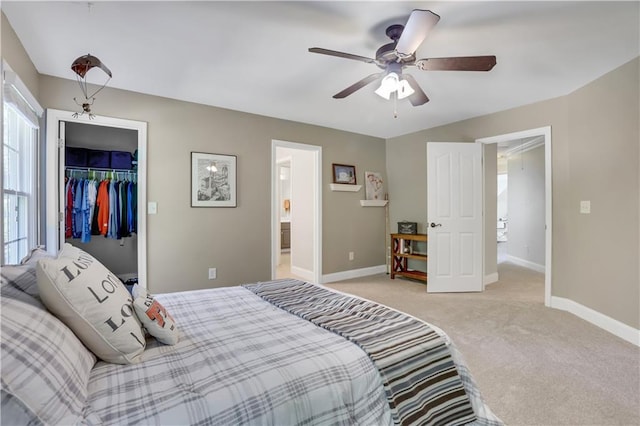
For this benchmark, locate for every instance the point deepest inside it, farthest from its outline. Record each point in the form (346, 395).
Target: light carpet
(534, 365)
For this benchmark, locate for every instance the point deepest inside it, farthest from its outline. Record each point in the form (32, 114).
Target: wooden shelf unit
(399, 258)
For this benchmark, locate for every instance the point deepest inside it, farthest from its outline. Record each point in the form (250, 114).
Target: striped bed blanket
(420, 379)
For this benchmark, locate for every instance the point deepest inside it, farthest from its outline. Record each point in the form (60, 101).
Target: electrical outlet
(351, 255)
(212, 273)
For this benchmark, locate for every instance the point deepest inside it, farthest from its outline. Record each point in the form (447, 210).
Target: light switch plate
(585, 207)
(152, 207)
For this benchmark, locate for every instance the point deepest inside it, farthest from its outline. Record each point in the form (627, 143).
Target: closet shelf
(344, 187)
(373, 203)
(100, 169)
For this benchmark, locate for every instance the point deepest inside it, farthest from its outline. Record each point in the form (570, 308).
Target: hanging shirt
(124, 206)
(68, 208)
(112, 231)
(130, 214)
(77, 209)
(102, 202)
(85, 235)
(95, 230)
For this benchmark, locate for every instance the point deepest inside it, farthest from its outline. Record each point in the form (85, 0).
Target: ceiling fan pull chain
(395, 104)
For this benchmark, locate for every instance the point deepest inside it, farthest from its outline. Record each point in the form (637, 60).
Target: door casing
(54, 169)
(317, 220)
(546, 132)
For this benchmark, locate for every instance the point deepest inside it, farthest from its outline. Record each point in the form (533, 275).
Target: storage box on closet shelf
(100, 160)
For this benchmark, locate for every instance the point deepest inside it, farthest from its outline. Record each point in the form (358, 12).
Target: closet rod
(99, 169)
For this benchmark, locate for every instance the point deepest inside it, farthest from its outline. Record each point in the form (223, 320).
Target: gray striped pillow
(45, 368)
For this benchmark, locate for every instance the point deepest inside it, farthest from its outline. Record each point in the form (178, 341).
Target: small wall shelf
(344, 187)
(373, 203)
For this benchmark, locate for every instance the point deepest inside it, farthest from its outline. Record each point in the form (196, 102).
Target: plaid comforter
(243, 361)
(418, 373)
(239, 361)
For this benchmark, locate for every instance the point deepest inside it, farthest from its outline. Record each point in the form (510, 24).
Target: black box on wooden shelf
(405, 227)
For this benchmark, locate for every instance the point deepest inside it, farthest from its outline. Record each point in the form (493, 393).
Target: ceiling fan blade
(341, 54)
(418, 97)
(415, 31)
(461, 63)
(357, 86)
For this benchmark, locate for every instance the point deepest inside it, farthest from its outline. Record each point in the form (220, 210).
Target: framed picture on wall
(213, 180)
(374, 186)
(345, 174)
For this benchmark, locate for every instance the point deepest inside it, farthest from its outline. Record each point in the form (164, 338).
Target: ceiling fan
(394, 57)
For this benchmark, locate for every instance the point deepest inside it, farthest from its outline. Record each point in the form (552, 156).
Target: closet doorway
(124, 253)
(296, 201)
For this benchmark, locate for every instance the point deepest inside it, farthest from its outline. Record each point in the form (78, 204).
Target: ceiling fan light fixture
(391, 83)
(388, 85)
(404, 89)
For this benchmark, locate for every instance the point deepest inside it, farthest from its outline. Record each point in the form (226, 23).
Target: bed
(281, 352)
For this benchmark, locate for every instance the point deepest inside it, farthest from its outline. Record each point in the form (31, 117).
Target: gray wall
(526, 206)
(595, 155)
(13, 52)
(183, 242)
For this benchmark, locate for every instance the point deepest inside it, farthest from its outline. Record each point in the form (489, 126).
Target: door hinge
(60, 143)
(60, 216)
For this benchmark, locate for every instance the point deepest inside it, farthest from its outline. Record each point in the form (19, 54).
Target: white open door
(454, 197)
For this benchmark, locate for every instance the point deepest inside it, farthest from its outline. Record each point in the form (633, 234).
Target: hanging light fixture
(391, 83)
(81, 66)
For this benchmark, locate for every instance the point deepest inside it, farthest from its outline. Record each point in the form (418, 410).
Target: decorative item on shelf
(344, 174)
(405, 227)
(374, 186)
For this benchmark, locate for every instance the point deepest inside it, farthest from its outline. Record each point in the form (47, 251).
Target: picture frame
(374, 186)
(213, 180)
(344, 174)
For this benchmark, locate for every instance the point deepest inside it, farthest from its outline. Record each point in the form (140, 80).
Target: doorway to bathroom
(296, 211)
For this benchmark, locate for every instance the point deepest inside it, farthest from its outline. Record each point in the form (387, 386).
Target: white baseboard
(525, 263)
(490, 279)
(305, 274)
(354, 273)
(609, 324)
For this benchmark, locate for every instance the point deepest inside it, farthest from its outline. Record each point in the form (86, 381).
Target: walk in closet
(101, 190)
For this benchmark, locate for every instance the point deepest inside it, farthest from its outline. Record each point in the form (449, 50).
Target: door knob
(433, 224)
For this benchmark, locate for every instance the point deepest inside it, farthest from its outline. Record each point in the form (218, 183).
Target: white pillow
(92, 302)
(155, 318)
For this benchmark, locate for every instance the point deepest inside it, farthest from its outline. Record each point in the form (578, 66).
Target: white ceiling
(253, 56)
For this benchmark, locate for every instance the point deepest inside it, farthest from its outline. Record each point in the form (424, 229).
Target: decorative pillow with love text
(155, 318)
(93, 303)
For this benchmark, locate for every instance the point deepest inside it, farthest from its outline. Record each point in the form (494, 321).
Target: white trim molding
(526, 263)
(490, 278)
(354, 273)
(316, 273)
(54, 227)
(548, 198)
(303, 273)
(598, 319)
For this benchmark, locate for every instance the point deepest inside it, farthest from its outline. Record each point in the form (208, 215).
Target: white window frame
(27, 112)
